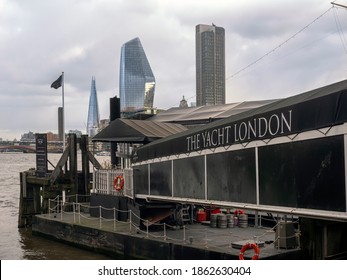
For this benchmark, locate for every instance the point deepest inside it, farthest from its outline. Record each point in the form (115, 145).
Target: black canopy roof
(318, 108)
(206, 113)
(136, 131)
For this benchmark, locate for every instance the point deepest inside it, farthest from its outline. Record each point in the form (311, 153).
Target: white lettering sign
(256, 128)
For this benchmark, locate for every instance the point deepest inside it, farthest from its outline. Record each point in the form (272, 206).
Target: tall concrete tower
(210, 64)
(93, 111)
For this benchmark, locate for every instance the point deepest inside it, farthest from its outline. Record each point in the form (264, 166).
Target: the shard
(93, 111)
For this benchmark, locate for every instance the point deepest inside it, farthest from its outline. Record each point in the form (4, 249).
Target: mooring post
(73, 161)
(85, 163)
(21, 219)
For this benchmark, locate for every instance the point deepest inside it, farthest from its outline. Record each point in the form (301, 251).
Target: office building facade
(210, 64)
(93, 111)
(136, 79)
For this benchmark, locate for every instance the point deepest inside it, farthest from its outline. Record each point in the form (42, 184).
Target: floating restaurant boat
(285, 160)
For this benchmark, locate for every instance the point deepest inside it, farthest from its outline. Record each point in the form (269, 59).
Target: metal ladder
(184, 213)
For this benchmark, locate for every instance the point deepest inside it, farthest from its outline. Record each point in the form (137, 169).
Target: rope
(339, 29)
(280, 45)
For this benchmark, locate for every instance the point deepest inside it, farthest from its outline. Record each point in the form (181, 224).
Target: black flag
(57, 84)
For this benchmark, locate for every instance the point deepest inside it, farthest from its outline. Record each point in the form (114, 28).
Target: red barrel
(201, 216)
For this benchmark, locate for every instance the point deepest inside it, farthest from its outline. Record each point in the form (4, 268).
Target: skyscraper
(136, 79)
(210, 64)
(93, 111)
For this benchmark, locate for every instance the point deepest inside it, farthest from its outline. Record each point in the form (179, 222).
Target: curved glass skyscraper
(93, 111)
(136, 79)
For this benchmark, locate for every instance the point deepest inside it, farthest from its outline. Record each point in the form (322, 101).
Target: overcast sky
(274, 49)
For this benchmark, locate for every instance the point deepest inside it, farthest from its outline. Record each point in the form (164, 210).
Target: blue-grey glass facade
(210, 65)
(93, 111)
(136, 79)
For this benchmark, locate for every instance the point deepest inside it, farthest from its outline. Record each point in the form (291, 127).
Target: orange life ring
(248, 246)
(118, 183)
(238, 212)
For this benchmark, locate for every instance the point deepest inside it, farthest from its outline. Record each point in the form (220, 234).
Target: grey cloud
(40, 39)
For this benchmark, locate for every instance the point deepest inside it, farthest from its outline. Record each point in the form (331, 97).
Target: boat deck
(97, 233)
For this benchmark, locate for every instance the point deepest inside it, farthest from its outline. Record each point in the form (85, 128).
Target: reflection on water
(19, 244)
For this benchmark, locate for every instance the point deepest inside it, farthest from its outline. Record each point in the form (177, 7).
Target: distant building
(52, 136)
(210, 64)
(103, 123)
(183, 103)
(93, 111)
(136, 79)
(30, 136)
(77, 132)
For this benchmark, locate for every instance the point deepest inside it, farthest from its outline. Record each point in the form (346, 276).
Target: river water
(19, 244)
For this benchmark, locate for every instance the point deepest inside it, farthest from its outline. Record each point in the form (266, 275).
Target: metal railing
(78, 213)
(103, 182)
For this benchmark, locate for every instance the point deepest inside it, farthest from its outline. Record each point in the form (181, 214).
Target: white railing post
(128, 182)
(206, 241)
(74, 212)
(147, 225)
(49, 207)
(164, 231)
(100, 218)
(114, 219)
(108, 190)
(94, 180)
(130, 220)
(63, 197)
(79, 213)
(61, 209)
(260, 224)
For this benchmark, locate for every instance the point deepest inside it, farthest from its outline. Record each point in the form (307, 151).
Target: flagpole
(62, 93)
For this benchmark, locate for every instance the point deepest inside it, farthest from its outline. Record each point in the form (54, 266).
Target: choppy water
(19, 244)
